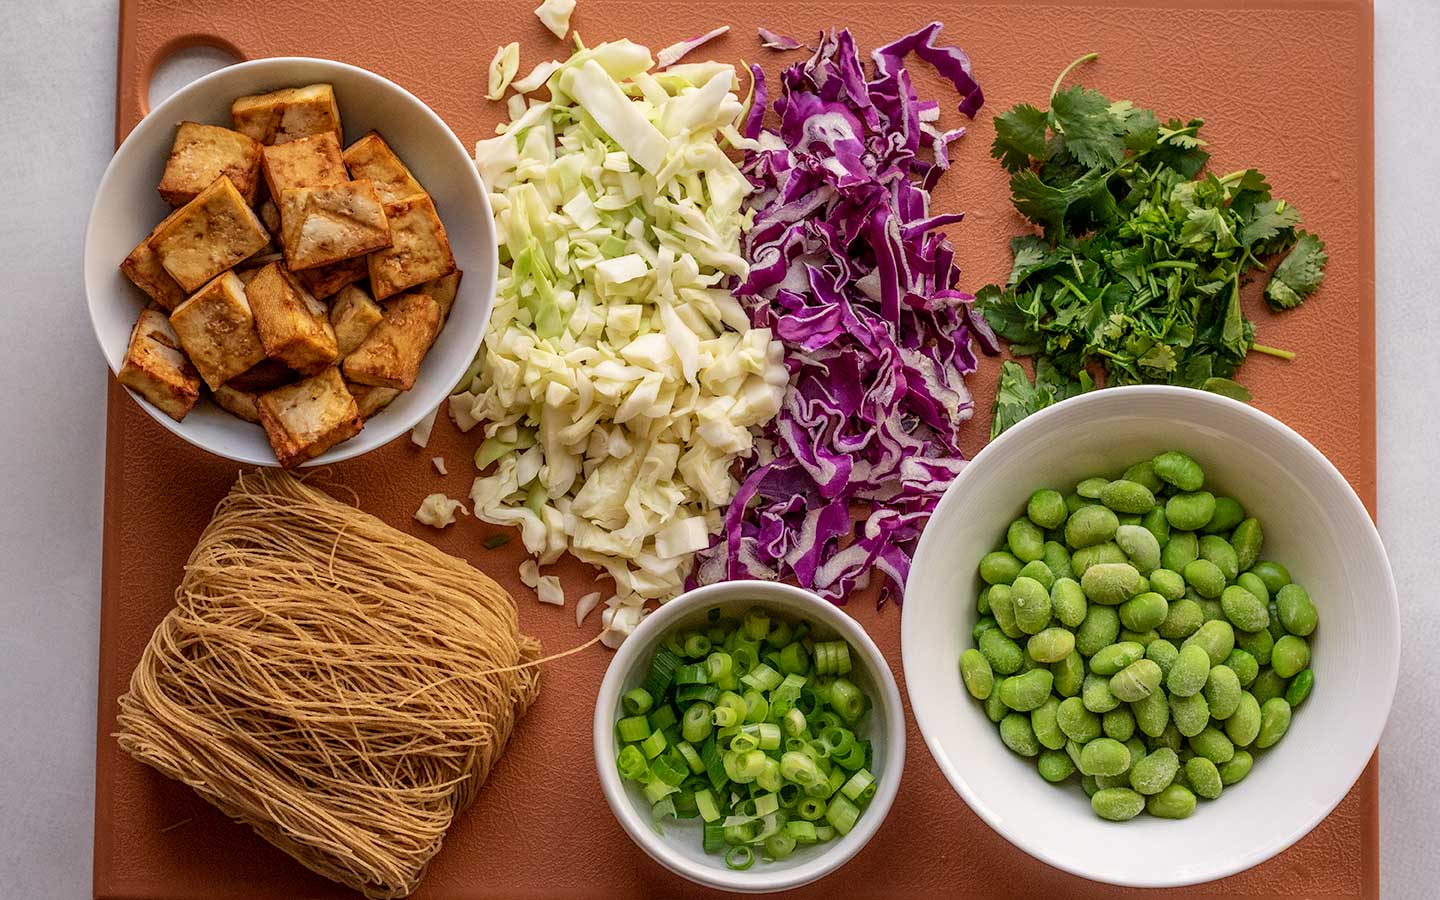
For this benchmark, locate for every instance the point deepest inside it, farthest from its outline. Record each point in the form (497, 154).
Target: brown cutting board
(1285, 87)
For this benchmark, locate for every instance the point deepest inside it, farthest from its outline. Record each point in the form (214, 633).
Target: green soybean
(1091, 488)
(982, 625)
(1300, 687)
(1183, 618)
(1144, 611)
(1117, 804)
(1273, 574)
(1205, 577)
(1222, 691)
(1036, 570)
(1002, 606)
(1169, 737)
(1051, 645)
(1297, 612)
(982, 600)
(1269, 684)
(1168, 584)
(1003, 654)
(1074, 501)
(1273, 624)
(1069, 675)
(1143, 638)
(1088, 785)
(1154, 772)
(1245, 611)
(1104, 756)
(999, 567)
(1077, 723)
(1190, 714)
(1247, 539)
(1174, 467)
(1213, 745)
(975, 671)
(1291, 654)
(1217, 637)
(1228, 514)
(1204, 777)
(1218, 550)
(1234, 771)
(1096, 695)
(1211, 609)
(1043, 723)
(1163, 653)
(1136, 681)
(1144, 473)
(1274, 722)
(1055, 766)
(1031, 600)
(1190, 511)
(1026, 691)
(1017, 734)
(1099, 629)
(1108, 552)
(1110, 584)
(1152, 713)
(1243, 665)
(1118, 723)
(1154, 521)
(1259, 645)
(1140, 546)
(1183, 547)
(1189, 672)
(995, 709)
(1057, 559)
(1252, 583)
(1090, 525)
(1067, 602)
(1175, 802)
(1115, 657)
(1127, 497)
(1046, 508)
(1026, 540)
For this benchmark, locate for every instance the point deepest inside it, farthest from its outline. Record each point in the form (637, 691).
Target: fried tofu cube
(442, 290)
(217, 330)
(288, 114)
(391, 354)
(201, 154)
(353, 315)
(312, 161)
(156, 369)
(143, 268)
(370, 400)
(370, 157)
(306, 418)
(266, 375)
(419, 250)
(292, 324)
(270, 216)
(208, 235)
(324, 225)
(237, 403)
(326, 281)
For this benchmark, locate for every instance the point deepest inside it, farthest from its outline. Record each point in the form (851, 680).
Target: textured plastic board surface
(1285, 87)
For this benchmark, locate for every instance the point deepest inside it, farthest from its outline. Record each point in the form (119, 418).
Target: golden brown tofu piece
(217, 330)
(312, 161)
(266, 375)
(156, 369)
(237, 403)
(143, 268)
(208, 235)
(270, 216)
(287, 114)
(292, 324)
(442, 291)
(326, 281)
(201, 154)
(353, 315)
(324, 225)
(306, 418)
(370, 157)
(391, 354)
(419, 250)
(370, 400)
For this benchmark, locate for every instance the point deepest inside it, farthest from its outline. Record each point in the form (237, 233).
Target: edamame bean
(1169, 737)
(982, 601)
(1036, 570)
(1015, 731)
(1213, 745)
(1108, 552)
(1218, 551)
(1163, 653)
(1190, 714)
(1259, 645)
(1217, 637)
(1155, 522)
(1273, 574)
(1234, 771)
(1143, 638)
(1002, 607)
(1026, 540)
(1152, 714)
(1222, 691)
(1067, 602)
(1189, 512)
(995, 710)
(1077, 723)
(999, 567)
(1046, 508)
(1252, 583)
(1247, 538)
(1300, 687)
(1127, 497)
(1051, 645)
(1154, 772)
(1175, 802)
(1144, 611)
(1144, 473)
(1182, 619)
(1291, 654)
(1118, 723)
(1096, 695)
(1032, 605)
(1205, 577)
(1069, 675)
(1117, 804)
(1168, 584)
(1273, 624)
(1245, 611)
(1182, 548)
(1297, 612)
(1074, 501)
(1090, 525)
(984, 624)
(1088, 785)
(1189, 672)
(1003, 654)
(1228, 514)
(1090, 488)
(1174, 467)
(1269, 684)
(1055, 766)
(1243, 665)
(975, 671)
(1110, 583)
(1204, 777)
(1057, 559)
(1097, 630)
(1026, 691)
(1136, 681)
(1115, 657)
(1104, 756)
(1043, 723)
(1274, 722)
(1212, 609)
(1140, 546)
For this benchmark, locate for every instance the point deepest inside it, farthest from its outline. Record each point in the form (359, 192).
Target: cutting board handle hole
(185, 59)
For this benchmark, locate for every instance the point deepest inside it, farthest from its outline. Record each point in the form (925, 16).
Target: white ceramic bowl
(127, 208)
(678, 849)
(1313, 523)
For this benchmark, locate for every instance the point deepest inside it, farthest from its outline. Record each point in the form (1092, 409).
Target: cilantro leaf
(1227, 388)
(1016, 397)
(1019, 136)
(1094, 130)
(1031, 255)
(1299, 273)
(1267, 220)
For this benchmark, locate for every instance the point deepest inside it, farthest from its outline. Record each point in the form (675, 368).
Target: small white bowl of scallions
(749, 736)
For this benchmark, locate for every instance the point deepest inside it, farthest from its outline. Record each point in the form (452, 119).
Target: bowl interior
(1313, 523)
(679, 847)
(127, 208)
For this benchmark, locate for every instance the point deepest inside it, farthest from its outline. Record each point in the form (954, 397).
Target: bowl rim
(757, 879)
(1037, 422)
(350, 448)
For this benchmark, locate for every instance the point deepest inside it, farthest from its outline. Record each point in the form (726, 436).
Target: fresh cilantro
(1137, 270)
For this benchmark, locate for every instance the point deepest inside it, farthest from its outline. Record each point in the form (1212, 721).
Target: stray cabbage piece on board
(619, 379)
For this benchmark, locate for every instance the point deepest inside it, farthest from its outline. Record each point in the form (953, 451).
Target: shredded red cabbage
(849, 271)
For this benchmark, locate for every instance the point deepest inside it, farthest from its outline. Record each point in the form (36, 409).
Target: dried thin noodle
(338, 685)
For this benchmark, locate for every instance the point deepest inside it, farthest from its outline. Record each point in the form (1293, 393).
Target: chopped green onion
(709, 809)
(696, 645)
(632, 764)
(745, 657)
(847, 700)
(744, 743)
(841, 813)
(768, 733)
(739, 858)
(662, 673)
(756, 708)
(817, 748)
(770, 779)
(802, 832)
(657, 790)
(840, 740)
(810, 808)
(653, 744)
(749, 765)
(714, 765)
(714, 837)
(756, 623)
(724, 716)
(637, 702)
(780, 634)
(789, 795)
(793, 722)
(495, 541)
(666, 770)
(633, 728)
(762, 678)
(779, 846)
(822, 720)
(740, 833)
(799, 768)
(824, 833)
(686, 694)
(696, 725)
(855, 787)
(794, 660)
(692, 757)
(855, 759)
(832, 657)
(692, 673)
(719, 664)
(663, 717)
(765, 804)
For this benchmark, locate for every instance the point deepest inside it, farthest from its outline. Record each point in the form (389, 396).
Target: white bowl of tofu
(290, 261)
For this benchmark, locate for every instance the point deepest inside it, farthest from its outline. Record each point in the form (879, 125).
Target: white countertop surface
(57, 78)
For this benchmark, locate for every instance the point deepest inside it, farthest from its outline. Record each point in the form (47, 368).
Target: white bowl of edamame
(1315, 665)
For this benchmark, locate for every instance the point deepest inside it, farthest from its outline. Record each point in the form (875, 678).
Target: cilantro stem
(1273, 351)
(1174, 264)
(1058, 81)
